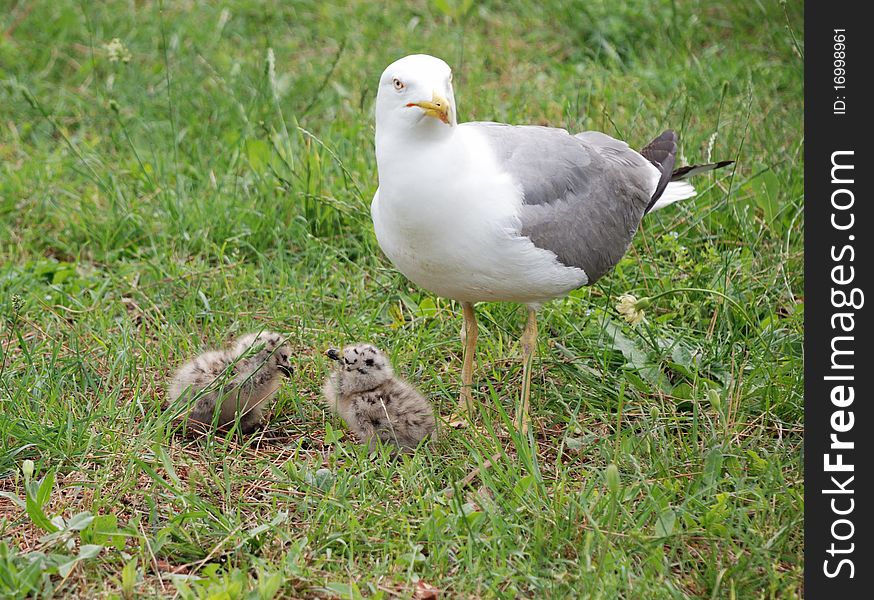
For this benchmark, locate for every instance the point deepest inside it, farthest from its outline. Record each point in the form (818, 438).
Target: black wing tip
(662, 153)
(666, 135)
(690, 170)
(660, 147)
(719, 164)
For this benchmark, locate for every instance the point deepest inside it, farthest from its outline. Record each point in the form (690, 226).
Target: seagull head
(415, 94)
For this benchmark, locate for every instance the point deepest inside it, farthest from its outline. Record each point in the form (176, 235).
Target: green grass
(154, 208)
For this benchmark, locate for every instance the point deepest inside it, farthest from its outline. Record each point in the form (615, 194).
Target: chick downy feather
(375, 404)
(239, 380)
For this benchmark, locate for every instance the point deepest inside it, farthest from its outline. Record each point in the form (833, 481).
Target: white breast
(447, 217)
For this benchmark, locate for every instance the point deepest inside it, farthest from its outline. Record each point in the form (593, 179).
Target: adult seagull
(493, 212)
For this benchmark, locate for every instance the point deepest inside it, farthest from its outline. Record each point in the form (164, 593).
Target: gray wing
(584, 195)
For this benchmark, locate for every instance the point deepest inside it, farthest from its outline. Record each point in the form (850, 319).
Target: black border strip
(837, 253)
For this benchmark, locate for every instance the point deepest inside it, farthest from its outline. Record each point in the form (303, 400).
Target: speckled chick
(374, 403)
(239, 379)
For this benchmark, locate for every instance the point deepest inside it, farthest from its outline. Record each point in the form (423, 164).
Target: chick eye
(398, 84)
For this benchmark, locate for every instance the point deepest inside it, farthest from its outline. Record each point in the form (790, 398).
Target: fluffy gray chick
(374, 403)
(238, 380)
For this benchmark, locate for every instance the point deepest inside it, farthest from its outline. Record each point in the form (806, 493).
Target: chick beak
(286, 370)
(332, 353)
(438, 107)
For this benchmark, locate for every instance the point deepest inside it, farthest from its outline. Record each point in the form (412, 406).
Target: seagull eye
(398, 84)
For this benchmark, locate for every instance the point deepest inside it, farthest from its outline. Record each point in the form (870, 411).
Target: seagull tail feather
(674, 192)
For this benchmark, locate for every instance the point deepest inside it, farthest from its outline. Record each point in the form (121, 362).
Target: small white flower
(631, 308)
(117, 51)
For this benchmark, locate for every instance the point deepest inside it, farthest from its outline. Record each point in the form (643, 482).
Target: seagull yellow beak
(438, 107)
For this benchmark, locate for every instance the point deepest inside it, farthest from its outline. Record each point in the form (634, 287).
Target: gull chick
(235, 381)
(373, 402)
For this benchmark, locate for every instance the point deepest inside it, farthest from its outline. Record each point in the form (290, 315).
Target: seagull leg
(529, 345)
(470, 334)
